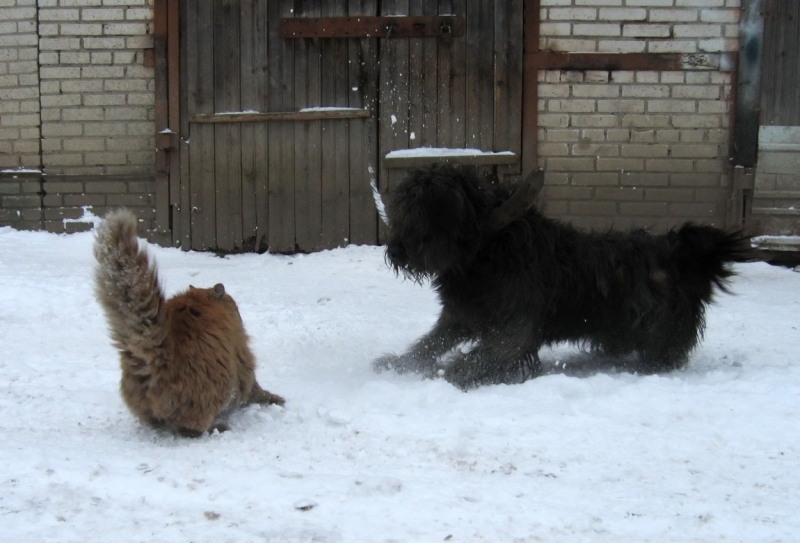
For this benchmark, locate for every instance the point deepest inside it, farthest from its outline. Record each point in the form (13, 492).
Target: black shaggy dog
(511, 280)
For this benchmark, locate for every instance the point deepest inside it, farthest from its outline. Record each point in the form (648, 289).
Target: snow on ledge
(302, 110)
(21, 170)
(777, 243)
(245, 112)
(443, 151)
(87, 217)
(329, 108)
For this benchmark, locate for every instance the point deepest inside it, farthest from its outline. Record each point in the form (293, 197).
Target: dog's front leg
(424, 354)
(507, 356)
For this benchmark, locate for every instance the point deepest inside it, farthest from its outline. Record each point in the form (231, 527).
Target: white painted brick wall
(72, 85)
(97, 98)
(19, 85)
(636, 147)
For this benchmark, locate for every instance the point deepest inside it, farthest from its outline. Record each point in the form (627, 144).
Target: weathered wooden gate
(288, 108)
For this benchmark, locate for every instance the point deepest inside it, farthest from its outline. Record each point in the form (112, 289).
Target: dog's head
(438, 218)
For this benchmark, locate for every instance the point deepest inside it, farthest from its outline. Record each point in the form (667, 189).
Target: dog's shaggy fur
(509, 286)
(185, 361)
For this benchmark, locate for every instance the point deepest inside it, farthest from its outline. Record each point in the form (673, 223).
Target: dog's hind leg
(530, 366)
(425, 353)
(669, 338)
(663, 354)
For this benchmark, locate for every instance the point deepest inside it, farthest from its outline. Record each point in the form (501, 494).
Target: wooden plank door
(463, 92)
(268, 162)
(265, 159)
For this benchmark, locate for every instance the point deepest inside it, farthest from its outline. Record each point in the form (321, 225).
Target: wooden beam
(161, 111)
(166, 141)
(174, 104)
(530, 88)
(552, 60)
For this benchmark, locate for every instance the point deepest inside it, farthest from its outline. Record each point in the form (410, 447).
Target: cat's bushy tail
(127, 287)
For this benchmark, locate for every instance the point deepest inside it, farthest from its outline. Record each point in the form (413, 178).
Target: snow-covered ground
(711, 453)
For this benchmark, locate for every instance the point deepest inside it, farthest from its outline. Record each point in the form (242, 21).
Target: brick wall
(78, 105)
(19, 85)
(97, 98)
(637, 148)
(20, 193)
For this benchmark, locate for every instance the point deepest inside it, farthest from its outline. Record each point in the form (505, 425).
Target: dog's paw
(469, 373)
(403, 364)
(460, 375)
(389, 361)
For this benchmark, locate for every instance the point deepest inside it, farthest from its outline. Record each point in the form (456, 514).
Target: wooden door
(283, 127)
(454, 92)
(276, 130)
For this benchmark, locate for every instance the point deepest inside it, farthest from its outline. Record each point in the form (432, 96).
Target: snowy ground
(711, 453)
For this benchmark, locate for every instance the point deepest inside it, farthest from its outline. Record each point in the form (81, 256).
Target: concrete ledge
(779, 138)
(423, 156)
(777, 243)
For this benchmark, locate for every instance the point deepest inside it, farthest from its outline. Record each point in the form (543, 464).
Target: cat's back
(203, 325)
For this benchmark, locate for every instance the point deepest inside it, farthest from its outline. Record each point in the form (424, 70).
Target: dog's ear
(519, 202)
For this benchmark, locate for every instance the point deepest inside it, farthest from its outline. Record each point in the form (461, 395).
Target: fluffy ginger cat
(185, 361)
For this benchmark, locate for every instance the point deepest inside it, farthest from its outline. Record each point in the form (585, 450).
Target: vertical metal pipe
(748, 91)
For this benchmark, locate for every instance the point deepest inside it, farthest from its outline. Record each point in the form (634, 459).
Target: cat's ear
(219, 290)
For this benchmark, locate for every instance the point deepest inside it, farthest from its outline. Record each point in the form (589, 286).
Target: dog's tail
(127, 287)
(703, 255)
